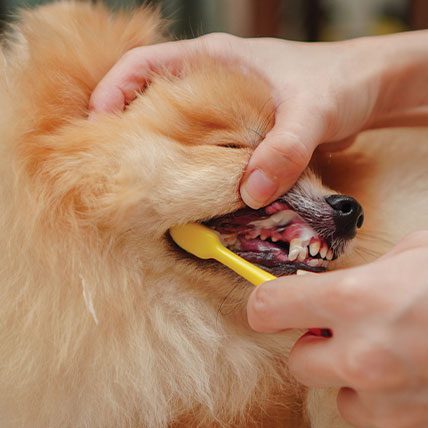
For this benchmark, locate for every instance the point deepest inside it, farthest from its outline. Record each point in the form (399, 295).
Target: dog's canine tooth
(314, 248)
(303, 254)
(323, 250)
(295, 248)
(252, 234)
(329, 255)
(283, 217)
(276, 236)
(293, 254)
(264, 235)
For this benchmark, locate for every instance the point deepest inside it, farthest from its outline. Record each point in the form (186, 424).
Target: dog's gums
(275, 238)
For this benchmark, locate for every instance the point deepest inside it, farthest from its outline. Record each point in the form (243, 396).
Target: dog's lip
(276, 238)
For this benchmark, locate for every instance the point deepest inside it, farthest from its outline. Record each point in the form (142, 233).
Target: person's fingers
(283, 155)
(311, 362)
(352, 409)
(290, 302)
(132, 72)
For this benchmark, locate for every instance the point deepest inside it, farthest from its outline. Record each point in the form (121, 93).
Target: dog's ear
(55, 56)
(59, 52)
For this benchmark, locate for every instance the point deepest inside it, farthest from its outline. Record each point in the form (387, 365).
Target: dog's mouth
(276, 238)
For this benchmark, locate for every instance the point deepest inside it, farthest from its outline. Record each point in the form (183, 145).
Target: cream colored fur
(102, 322)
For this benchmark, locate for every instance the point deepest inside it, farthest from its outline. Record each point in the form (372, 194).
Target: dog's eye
(230, 146)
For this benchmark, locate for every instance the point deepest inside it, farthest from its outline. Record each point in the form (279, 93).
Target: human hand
(378, 315)
(324, 92)
(311, 84)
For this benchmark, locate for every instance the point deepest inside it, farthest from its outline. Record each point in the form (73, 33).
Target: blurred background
(308, 20)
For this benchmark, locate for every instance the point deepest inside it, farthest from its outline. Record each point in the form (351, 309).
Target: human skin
(327, 93)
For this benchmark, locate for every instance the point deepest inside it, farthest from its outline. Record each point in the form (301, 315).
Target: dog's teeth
(295, 249)
(301, 272)
(293, 254)
(323, 250)
(282, 218)
(229, 239)
(303, 254)
(329, 255)
(274, 238)
(265, 234)
(252, 234)
(314, 262)
(278, 235)
(314, 248)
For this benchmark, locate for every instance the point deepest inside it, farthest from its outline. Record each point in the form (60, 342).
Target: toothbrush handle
(251, 273)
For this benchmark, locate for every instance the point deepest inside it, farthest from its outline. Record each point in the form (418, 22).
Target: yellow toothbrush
(204, 243)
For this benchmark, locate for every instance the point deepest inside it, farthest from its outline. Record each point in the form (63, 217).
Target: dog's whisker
(223, 302)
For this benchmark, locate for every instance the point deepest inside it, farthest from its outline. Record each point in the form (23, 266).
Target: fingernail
(257, 189)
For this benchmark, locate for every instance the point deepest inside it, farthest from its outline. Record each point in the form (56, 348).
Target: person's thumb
(283, 155)
(293, 302)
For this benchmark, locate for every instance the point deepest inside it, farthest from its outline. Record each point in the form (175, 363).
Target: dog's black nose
(347, 214)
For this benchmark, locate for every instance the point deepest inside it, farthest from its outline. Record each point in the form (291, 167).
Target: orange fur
(102, 322)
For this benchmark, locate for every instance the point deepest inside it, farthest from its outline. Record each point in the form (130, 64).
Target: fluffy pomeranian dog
(104, 322)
